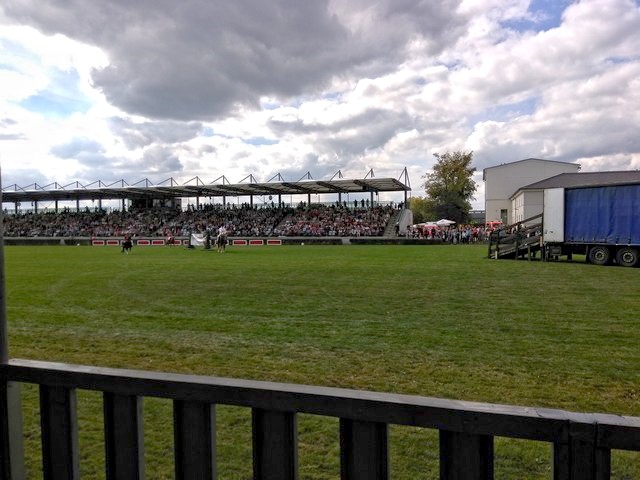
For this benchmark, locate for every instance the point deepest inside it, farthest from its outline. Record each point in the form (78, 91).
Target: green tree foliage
(450, 186)
(422, 208)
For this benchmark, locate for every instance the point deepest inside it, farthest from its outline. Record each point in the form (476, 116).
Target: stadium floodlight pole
(11, 438)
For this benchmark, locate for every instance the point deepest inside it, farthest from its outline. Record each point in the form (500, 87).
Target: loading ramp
(516, 241)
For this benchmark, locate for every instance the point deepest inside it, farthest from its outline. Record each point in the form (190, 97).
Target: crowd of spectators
(462, 234)
(336, 221)
(245, 220)
(64, 224)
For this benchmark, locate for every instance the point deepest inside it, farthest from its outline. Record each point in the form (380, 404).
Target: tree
(450, 186)
(422, 209)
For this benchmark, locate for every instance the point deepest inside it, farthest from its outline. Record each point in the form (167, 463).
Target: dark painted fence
(582, 443)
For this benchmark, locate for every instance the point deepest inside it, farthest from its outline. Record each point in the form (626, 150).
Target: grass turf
(429, 320)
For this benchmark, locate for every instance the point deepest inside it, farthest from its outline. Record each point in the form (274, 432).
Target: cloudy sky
(158, 89)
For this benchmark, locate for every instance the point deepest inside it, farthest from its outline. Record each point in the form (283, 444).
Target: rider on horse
(221, 239)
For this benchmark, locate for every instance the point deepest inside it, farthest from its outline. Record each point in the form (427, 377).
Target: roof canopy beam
(298, 188)
(332, 187)
(366, 186)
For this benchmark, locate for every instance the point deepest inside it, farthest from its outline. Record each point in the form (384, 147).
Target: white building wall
(494, 208)
(517, 208)
(533, 203)
(502, 181)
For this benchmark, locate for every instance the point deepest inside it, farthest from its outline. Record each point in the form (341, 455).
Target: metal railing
(521, 238)
(582, 443)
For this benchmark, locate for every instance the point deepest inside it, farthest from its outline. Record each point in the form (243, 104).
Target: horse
(221, 242)
(127, 244)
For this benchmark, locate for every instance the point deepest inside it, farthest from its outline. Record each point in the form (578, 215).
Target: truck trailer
(601, 222)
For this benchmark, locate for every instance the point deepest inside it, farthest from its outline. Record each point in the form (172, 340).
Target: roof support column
(56, 206)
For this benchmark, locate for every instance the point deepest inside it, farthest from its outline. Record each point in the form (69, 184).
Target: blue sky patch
(503, 113)
(210, 132)
(207, 132)
(10, 50)
(77, 148)
(259, 141)
(332, 96)
(7, 67)
(269, 105)
(543, 15)
(618, 60)
(61, 98)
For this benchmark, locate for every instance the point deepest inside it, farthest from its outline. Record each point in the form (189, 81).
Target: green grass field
(429, 320)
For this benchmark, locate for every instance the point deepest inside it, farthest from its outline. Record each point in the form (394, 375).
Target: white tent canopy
(443, 222)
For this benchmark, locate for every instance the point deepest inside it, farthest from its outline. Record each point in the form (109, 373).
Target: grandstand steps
(282, 222)
(390, 229)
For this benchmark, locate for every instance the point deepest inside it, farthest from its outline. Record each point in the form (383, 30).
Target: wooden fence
(581, 443)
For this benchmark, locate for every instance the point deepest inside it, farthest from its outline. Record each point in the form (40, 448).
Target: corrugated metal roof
(146, 189)
(585, 179)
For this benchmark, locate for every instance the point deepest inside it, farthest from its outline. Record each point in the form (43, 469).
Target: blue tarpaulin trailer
(601, 222)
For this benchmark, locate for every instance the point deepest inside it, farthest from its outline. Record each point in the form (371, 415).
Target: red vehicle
(493, 224)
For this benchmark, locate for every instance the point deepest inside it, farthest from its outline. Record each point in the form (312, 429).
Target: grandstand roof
(194, 188)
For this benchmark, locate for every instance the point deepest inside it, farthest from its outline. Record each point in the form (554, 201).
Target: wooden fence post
(59, 426)
(465, 456)
(580, 458)
(363, 450)
(275, 443)
(194, 427)
(124, 443)
(11, 441)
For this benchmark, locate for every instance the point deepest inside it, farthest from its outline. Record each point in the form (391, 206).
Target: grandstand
(155, 211)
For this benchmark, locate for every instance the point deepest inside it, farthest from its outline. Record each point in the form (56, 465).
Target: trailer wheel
(627, 257)
(599, 255)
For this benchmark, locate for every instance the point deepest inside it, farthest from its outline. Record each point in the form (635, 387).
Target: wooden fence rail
(582, 443)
